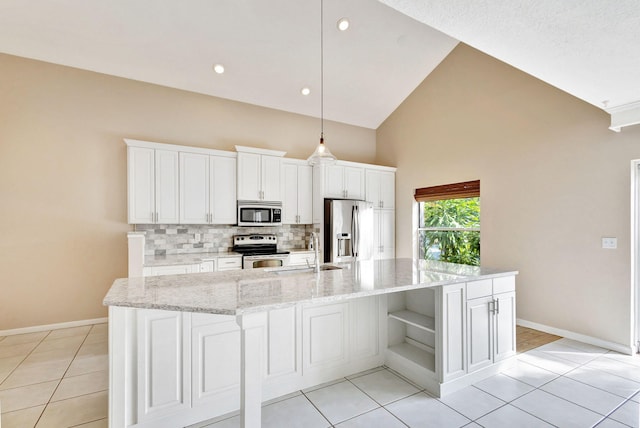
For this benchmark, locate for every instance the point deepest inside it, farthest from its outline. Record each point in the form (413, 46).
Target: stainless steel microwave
(259, 213)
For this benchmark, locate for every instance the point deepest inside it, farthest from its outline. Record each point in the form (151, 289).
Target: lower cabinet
(325, 336)
(171, 270)
(219, 264)
(302, 258)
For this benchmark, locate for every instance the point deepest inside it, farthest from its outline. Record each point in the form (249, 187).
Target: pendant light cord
(321, 70)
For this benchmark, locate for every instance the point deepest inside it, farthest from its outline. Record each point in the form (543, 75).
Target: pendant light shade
(322, 154)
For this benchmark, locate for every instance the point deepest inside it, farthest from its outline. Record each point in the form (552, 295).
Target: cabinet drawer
(301, 258)
(477, 289)
(228, 263)
(504, 284)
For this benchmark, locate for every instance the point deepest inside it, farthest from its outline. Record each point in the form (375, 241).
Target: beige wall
(63, 174)
(554, 180)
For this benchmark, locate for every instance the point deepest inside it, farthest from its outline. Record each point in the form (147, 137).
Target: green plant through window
(450, 230)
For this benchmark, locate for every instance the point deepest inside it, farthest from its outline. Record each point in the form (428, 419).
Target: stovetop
(256, 244)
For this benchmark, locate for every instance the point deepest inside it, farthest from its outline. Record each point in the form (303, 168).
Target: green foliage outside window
(450, 230)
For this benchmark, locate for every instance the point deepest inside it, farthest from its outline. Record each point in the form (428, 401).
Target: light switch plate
(610, 243)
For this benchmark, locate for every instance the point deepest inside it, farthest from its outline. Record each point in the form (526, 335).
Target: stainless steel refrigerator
(348, 230)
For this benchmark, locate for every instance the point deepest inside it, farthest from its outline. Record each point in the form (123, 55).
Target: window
(449, 223)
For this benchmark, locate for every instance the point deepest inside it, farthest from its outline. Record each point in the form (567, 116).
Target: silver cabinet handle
(381, 204)
(492, 307)
(497, 306)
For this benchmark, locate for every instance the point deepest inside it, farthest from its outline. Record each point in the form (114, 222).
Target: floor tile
(378, 418)
(584, 395)
(323, 385)
(96, 338)
(99, 328)
(24, 418)
(90, 358)
(423, 411)
(556, 411)
(294, 412)
(341, 401)
(75, 411)
(628, 414)
(548, 361)
(23, 338)
(615, 367)
(610, 423)
(71, 343)
(583, 346)
(76, 386)
(17, 350)
(510, 416)
(50, 356)
(633, 360)
(366, 372)
(281, 398)
(530, 374)
(7, 365)
(562, 350)
(384, 387)
(27, 396)
(67, 332)
(472, 402)
(233, 422)
(605, 381)
(504, 387)
(35, 373)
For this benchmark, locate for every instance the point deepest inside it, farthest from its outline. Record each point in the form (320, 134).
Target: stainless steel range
(259, 251)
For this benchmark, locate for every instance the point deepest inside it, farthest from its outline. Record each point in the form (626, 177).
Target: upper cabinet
(380, 187)
(343, 182)
(180, 185)
(152, 178)
(259, 174)
(207, 189)
(296, 192)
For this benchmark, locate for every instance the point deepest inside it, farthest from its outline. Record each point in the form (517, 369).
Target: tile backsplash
(163, 239)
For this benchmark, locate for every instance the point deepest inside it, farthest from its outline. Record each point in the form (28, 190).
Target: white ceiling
(271, 48)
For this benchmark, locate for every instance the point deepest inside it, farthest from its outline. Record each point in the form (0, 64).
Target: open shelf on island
(415, 319)
(420, 357)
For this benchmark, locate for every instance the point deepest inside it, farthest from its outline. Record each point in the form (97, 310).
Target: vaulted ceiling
(271, 48)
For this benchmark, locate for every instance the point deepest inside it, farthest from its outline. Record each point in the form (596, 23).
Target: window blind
(467, 189)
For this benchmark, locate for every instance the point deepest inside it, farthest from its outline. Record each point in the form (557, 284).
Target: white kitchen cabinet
(152, 185)
(164, 364)
(490, 322)
(384, 226)
(325, 335)
(451, 361)
(171, 269)
(302, 258)
(258, 174)
(229, 263)
(343, 182)
(380, 188)
(365, 334)
(296, 192)
(207, 189)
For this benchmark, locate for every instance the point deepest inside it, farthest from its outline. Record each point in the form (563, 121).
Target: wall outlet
(610, 243)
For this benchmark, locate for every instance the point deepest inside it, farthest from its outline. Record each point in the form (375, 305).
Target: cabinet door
(166, 186)
(334, 182)
(377, 236)
(479, 333)
(451, 334)
(324, 336)
(505, 326)
(270, 171)
(141, 185)
(282, 342)
(364, 327)
(164, 363)
(301, 258)
(387, 234)
(194, 188)
(174, 269)
(289, 193)
(249, 177)
(354, 182)
(372, 186)
(305, 194)
(387, 189)
(222, 173)
(216, 362)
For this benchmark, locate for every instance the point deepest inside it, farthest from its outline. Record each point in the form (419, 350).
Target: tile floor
(55, 379)
(59, 379)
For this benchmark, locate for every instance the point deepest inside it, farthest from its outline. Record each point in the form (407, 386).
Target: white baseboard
(618, 347)
(37, 328)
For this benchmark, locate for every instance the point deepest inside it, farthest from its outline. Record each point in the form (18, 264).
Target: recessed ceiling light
(343, 24)
(218, 68)
(305, 91)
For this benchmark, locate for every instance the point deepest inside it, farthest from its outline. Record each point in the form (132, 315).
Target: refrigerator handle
(357, 230)
(353, 231)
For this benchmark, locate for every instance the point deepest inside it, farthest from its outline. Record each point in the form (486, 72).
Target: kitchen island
(186, 348)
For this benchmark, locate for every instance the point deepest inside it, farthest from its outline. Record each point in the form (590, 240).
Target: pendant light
(322, 154)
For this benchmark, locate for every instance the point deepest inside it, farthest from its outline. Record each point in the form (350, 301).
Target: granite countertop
(193, 258)
(255, 290)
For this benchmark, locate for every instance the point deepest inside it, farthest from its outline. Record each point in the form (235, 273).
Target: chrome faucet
(314, 239)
